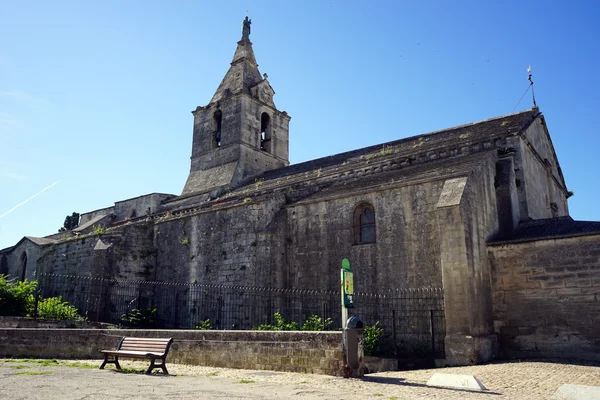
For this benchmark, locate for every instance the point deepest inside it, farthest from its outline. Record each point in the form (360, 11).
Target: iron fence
(412, 319)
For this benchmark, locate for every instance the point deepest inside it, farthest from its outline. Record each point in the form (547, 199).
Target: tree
(71, 222)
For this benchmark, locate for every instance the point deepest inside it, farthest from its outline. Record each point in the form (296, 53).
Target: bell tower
(240, 133)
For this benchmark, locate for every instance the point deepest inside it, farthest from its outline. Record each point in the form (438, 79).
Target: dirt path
(74, 380)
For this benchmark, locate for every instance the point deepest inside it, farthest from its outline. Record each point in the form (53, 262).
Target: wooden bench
(131, 347)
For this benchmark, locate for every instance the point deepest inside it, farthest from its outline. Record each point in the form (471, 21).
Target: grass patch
(130, 371)
(43, 363)
(378, 394)
(214, 373)
(19, 366)
(48, 363)
(34, 373)
(393, 398)
(78, 364)
(246, 381)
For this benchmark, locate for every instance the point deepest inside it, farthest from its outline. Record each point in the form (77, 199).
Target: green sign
(347, 284)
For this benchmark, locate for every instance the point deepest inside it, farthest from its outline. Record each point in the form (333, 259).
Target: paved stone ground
(75, 380)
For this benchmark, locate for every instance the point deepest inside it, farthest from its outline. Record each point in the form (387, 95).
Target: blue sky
(97, 95)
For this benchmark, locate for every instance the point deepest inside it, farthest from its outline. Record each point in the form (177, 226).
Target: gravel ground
(81, 379)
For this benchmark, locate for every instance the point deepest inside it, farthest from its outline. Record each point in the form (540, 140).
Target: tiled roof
(40, 241)
(549, 229)
(458, 136)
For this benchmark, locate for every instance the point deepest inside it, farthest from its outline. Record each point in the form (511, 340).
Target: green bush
(16, 298)
(55, 308)
(372, 338)
(280, 325)
(316, 323)
(204, 325)
(312, 323)
(140, 318)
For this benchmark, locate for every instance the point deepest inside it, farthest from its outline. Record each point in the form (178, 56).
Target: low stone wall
(26, 322)
(547, 298)
(311, 352)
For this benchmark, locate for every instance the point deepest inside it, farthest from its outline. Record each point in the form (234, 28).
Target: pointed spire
(243, 72)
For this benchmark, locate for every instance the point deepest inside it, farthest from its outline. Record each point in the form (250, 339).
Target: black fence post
(176, 313)
(394, 335)
(37, 299)
(432, 334)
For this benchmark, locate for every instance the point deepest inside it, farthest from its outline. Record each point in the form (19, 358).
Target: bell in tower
(240, 133)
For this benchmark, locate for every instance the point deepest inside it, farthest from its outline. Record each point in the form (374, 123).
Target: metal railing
(412, 319)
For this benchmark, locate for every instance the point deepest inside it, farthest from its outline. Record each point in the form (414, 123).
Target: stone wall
(72, 257)
(467, 216)
(311, 352)
(229, 245)
(547, 297)
(27, 251)
(126, 252)
(139, 206)
(541, 174)
(405, 254)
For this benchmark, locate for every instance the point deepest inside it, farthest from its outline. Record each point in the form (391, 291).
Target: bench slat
(162, 346)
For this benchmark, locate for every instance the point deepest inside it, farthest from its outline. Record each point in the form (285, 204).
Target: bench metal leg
(153, 365)
(115, 361)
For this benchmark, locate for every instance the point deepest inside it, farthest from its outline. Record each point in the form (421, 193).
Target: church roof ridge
(422, 143)
(530, 110)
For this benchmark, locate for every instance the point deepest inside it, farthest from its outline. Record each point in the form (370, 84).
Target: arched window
(265, 132)
(23, 265)
(217, 122)
(364, 224)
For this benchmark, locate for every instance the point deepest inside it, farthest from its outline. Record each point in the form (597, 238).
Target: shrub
(312, 323)
(55, 308)
(16, 298)
(316, 323)
(372, 337)
(139, 318)
(280, 325)
(204, 325)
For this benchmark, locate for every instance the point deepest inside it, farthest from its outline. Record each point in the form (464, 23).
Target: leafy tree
(71, 222)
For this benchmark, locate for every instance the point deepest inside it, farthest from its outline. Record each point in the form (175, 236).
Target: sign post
(347, 290)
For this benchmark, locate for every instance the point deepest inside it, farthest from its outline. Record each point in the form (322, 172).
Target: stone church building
(479, 210)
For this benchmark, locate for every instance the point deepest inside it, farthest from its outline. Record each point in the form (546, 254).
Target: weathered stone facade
(547, 297)
(440, 203)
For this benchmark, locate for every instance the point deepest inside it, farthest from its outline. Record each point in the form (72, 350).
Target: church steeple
(240, 133)
(243, 72)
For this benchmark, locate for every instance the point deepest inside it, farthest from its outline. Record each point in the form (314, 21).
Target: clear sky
(96, 95)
